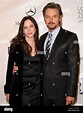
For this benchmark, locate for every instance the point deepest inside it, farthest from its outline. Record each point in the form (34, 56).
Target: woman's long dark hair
(20, 38)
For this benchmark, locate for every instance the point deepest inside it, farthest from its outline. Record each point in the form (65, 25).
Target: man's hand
(15, 68)
(70, 100)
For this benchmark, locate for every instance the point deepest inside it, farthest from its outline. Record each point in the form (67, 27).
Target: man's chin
(51, 27)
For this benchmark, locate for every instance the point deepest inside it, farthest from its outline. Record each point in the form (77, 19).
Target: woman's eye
(25, 27)
(31, 26)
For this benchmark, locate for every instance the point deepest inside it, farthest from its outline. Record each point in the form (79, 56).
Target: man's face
(52, 18)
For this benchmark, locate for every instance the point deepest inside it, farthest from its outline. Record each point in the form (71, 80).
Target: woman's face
(29, 29)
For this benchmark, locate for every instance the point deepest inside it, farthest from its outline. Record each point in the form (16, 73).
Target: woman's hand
(7, 97)
(70, 100)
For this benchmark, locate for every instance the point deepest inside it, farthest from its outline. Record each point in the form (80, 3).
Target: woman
(23, 87)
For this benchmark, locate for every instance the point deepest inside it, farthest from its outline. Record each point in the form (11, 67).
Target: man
(60, 60)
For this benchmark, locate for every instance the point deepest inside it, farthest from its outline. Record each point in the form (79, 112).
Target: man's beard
(52, 27)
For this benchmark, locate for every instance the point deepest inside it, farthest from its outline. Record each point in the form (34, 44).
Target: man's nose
(51, 19)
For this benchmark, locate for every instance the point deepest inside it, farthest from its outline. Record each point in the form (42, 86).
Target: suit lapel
(56, 43)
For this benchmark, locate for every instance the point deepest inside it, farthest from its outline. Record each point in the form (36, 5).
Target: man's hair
(52, 5)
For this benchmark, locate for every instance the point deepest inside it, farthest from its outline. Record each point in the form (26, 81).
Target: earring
(23, 35)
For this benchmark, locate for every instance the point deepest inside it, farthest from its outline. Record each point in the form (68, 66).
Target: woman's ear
(23, 34)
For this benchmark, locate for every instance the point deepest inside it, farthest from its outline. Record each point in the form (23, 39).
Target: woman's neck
(30, 41)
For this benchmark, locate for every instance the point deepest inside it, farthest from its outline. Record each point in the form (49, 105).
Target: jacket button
(29, 63)
(29, 84)
(53, 63)
(28, 104)
(65, 52)
(16, 52)
(65, 31)
(53, 84)
(78, 63)
(41, 94)
(16, 94)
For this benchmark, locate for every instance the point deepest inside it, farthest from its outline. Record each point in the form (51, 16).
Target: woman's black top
(31, 80)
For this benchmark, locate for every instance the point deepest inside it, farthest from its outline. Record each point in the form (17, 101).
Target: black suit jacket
(60, 73)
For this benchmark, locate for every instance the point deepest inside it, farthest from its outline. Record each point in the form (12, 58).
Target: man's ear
(60, 21)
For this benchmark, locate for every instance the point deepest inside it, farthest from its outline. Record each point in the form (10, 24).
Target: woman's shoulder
(18, 46)
(15, 47)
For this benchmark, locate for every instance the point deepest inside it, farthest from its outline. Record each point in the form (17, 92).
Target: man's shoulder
(70, 35)
(69, 32)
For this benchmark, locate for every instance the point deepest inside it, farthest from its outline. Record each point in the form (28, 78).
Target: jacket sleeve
(73, 65)
(11, 58)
